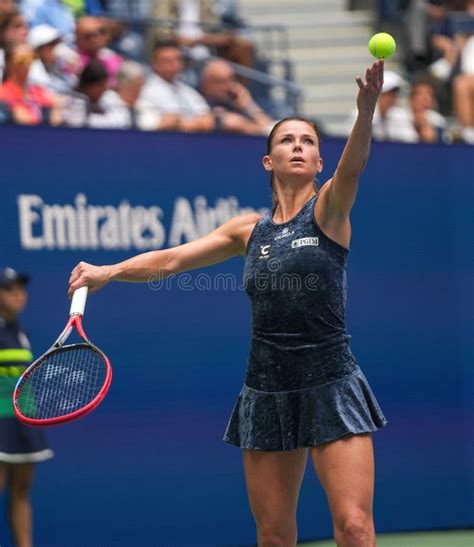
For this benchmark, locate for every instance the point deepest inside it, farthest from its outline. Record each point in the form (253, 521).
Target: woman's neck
(290, 201)
(23, 84)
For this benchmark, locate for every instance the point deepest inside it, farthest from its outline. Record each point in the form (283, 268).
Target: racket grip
(78, 302)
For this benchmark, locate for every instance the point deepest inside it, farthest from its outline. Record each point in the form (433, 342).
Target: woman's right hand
(84, 274)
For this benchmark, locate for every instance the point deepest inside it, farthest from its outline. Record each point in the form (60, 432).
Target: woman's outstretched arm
(342, 188)
(227, 241)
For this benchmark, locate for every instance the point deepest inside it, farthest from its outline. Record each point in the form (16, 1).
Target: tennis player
(304, 392)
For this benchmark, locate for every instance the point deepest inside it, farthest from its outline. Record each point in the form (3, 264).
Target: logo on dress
(304, 242)
(284, 233)
(265, 251)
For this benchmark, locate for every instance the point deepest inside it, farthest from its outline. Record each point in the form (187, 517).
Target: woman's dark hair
(93, 73)
(6, 19)
(270, 142)
(166, 43)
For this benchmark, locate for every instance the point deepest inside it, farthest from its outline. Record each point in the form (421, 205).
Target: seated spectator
(92, 85)
(463, 92)
(463, 83)
(123, 109)
(189, 15)
(169, 95)
(419, 123)
(54, 13)
(92, 37)
(49, 70)
(386, 126)
(234, 109)
(6, 6)
(13, 30)
(425, 120)
(29, 104)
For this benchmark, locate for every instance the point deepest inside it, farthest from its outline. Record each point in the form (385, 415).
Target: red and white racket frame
(76, 312)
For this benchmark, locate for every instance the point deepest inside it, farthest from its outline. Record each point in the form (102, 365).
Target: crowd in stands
(86, 63)
(65, 62)
(437, 38)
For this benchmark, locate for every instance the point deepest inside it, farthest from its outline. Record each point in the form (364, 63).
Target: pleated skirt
(285, 420)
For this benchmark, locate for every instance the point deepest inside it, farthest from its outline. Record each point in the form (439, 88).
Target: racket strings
(67, 380)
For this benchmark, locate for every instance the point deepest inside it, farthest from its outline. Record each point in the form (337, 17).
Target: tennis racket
(68, 381)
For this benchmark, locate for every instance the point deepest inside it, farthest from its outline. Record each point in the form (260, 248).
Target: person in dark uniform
(304, 392)
(21, 446)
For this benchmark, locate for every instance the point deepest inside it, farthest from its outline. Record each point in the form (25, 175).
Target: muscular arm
(227, 241)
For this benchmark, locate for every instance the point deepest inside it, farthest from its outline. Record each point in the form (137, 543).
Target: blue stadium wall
(149, 467)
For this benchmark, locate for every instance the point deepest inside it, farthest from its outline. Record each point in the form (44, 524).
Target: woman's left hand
(370, 90)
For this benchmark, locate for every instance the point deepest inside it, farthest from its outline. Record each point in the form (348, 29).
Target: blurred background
(135, 125)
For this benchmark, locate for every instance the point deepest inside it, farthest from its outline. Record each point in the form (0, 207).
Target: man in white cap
(390, 121)
(51, 70)
(417, 122)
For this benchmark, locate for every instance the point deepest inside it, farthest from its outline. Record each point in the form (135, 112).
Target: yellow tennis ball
(382, 45)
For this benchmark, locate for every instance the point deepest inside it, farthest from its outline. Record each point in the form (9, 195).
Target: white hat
(42, 35)
(391, 81)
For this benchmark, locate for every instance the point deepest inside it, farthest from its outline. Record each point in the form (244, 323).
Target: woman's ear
(267, 163)
(320, 165)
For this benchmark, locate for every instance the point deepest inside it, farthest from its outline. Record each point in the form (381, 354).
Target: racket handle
(78, 302)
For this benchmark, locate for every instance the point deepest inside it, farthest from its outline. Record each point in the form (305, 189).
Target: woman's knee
(356, 529)
(277, 536)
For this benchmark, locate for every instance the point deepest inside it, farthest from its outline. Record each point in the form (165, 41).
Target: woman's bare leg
(346, 470)
(273, 485)
(19, 507)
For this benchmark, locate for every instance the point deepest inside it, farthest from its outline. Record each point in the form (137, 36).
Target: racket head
(64, 384)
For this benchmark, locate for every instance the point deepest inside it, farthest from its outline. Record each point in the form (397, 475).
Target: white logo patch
(304, 242)
(265, 251)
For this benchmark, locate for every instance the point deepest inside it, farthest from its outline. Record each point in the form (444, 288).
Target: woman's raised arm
(341, 190)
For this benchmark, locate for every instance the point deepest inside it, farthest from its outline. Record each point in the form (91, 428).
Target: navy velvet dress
(303, 386)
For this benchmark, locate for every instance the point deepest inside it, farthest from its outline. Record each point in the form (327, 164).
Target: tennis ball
(382, 45)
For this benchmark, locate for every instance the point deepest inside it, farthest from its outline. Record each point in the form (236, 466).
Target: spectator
(21, 446)
(13, 30)
(427, 122)
(418, 123)
(189, 15)
(29, 104)
(55, 13)
(48, 70)
(123, 109)
(445, 43)
(463, 83)
(231, 102)
(169, 95)
(386, 126)
(463, 92)
(6, 6)
(92, 85)
(92, 36)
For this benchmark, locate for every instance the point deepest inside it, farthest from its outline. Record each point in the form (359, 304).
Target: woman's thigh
(345, 469)
(20, 479)
(273, 484)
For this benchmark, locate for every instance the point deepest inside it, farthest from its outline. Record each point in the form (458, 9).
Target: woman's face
(20, 62)
(17, 31)
(294, 152)
(422, 97)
